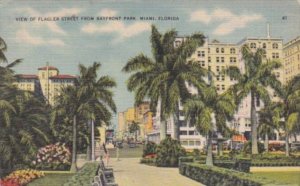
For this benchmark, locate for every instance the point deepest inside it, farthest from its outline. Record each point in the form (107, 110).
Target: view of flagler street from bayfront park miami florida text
(149, 93)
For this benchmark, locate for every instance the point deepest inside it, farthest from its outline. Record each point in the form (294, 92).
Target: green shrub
(186, 159)
(242, 165)
(149, 148)
(217, 176)
(168, 153)
(84, 176)
(247, 147)
(275, 160)
(148, 161)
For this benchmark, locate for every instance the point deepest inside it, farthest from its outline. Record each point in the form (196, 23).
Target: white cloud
(51, 25)
(229, 21)
(23, 36)
(107, 12)
(123, 31)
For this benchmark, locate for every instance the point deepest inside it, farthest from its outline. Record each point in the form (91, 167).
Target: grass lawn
(52, 179)
(284, 177)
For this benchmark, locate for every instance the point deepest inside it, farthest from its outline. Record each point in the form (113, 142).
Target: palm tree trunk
(93, 140)
(163, 130)
(74, 150)
(220, 148)
(287, 149)
(89, 147)
(209, 158)
(266, 142)
(254, 148)
(176, 127)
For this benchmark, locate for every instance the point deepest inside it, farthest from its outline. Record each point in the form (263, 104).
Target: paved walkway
(129, 172)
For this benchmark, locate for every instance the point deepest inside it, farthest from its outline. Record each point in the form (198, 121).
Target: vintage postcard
(149, 93)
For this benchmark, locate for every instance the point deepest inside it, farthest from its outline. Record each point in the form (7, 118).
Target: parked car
(295, 146)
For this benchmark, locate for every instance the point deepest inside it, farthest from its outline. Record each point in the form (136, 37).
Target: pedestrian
(106, 154)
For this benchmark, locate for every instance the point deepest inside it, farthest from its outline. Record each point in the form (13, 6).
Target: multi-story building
(140, 110)
(273, 48)
(291, 55)
(216, 57)
(48, 82)
(28, 82)
(148, 121)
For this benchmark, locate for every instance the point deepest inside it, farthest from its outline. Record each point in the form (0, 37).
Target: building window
(218, 59)
(277, 74)
(191, 143)
(218, 78)
(264, 45)
(223, 87)
(183, 132)
(222, 59)
(223, 78)
(191, 132)
(184, 142)
(232, 59)
(208, 50)
(232, 51)
(201, 54)
(182, 123)
(217, 50)
(275, 46)
(177, 43)
(252, 45)
(275, 55)
(202, 63)
(209, 59)
(218, 87)
(198, 143)
(222, 50)
(209, 68)
(218, 68)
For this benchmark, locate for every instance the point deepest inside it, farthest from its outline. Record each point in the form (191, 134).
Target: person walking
(106, 154)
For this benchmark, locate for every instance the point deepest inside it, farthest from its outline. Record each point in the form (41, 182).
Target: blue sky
(66, 44)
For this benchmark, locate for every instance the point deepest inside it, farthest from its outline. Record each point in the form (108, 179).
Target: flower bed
(53, 157)
(21, 177)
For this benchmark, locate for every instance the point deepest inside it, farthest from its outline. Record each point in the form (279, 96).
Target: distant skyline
(65, 44)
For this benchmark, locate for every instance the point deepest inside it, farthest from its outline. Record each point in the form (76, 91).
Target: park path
(129, 172)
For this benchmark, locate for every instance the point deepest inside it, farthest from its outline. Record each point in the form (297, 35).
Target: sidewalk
(129, 172)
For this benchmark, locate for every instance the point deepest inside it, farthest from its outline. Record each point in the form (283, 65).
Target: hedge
(84, 176)
(217, 176)
(148, 161)
(242, 165)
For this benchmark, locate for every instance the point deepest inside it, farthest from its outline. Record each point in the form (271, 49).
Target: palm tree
(90, 99)
(134, 128)
(163, 78)
(269, 120)
(290, 107)
(70, 103)
(254, 81)
(209, 112)
(99, 99)
(23, 118)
